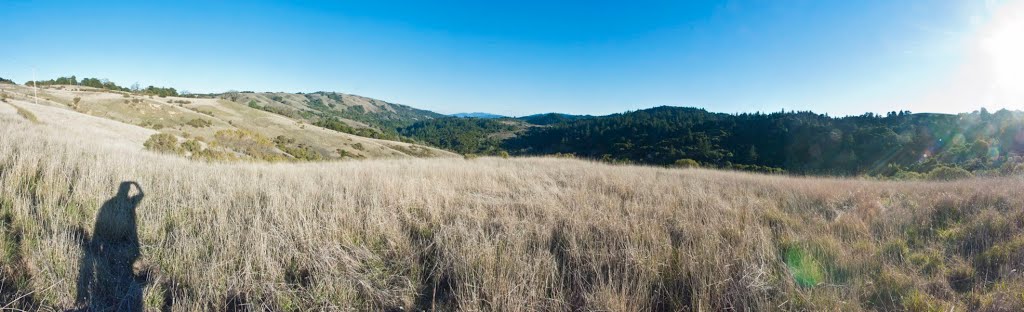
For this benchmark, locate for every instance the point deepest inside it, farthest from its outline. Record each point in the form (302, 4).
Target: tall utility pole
(35, 86)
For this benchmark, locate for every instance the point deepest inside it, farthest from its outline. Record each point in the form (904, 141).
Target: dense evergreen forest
(898, 144)
(461, 134)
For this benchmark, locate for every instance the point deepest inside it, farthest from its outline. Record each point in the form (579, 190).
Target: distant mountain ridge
(477, 115)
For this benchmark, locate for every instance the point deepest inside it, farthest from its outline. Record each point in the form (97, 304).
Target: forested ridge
(898, 143)
(461, 134)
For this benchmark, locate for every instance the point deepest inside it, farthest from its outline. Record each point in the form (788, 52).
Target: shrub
(214, 155)
(163, 143)
(686, 163)
(302, 152)
(943, 173)
(199, 123)
(907, 175)
(192, 146)
(249, 143)
(283, 140)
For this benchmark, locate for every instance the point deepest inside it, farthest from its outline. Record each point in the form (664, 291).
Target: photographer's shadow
(106, 280)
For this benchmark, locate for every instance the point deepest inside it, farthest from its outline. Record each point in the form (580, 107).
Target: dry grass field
(89, 225)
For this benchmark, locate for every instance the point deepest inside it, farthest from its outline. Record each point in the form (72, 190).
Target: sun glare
(1003, 44)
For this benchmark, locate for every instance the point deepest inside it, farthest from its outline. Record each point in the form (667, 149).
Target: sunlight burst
(1003, 44)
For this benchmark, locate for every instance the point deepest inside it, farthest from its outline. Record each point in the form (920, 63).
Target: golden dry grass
(491, 234)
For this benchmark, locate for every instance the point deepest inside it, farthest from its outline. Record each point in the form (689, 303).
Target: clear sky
(523, 57)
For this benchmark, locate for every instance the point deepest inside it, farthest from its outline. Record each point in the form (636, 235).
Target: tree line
(104, 84)
(895, 144)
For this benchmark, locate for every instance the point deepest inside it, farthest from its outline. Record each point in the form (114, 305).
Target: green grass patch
(28, 115)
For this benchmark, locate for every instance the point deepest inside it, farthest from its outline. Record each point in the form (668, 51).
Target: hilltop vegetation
(487, 234)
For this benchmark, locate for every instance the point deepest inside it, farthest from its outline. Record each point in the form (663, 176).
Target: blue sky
(525, 57)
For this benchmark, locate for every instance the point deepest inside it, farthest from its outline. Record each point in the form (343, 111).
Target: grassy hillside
(209, 121)
(341, 112)
(85, 223)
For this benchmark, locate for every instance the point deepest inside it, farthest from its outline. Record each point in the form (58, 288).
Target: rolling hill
(202, 118)
(354, 111)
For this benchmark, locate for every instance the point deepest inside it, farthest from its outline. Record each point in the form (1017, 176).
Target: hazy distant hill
(477, 115)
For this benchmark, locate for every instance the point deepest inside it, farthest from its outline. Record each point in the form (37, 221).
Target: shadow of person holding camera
(106, 279)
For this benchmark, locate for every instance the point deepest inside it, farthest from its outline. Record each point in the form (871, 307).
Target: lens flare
(1003, 45)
